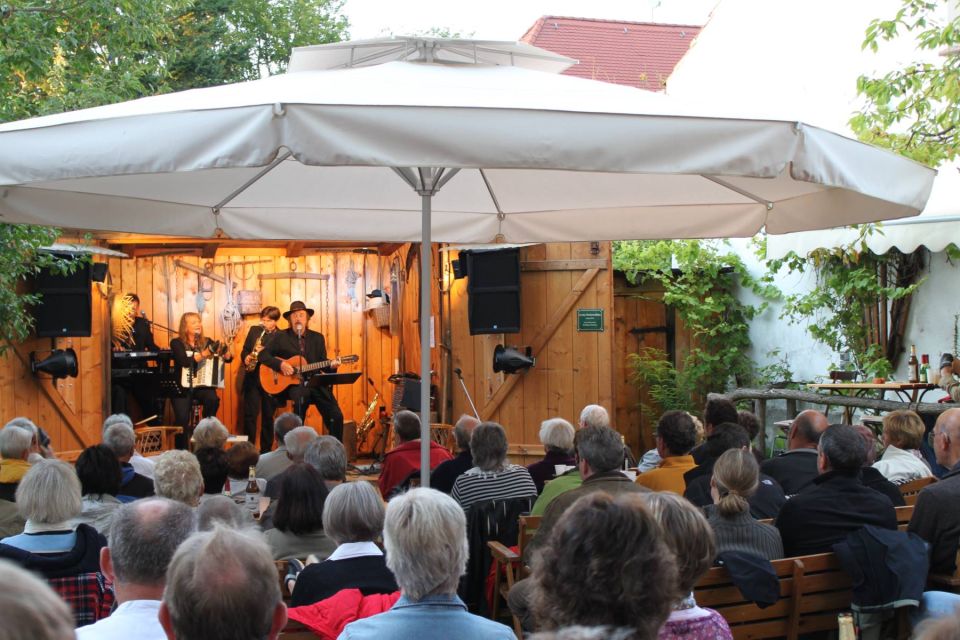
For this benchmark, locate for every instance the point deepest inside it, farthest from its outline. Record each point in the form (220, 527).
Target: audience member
(446, 473)
(717, 410)
(276, 462)
(676, 436)
(236, 569)
(556, 435)
(764, 503)
(902, 435)
(945, 628)
(593, 415)
(491, 476)
(15, 443)
(99, 473)
(797, 466)
(122, 440)
(871, 477)
(296, 442)
(836, 502)
(353, 518)
(298, 519)
(222, 510)
(11, 522)
(240, 457)
(66, 555)
(141, 464)
(736, 475)
(689, 536)
(651, 459)
(214, 469)
(936, 517)
(210, 432)
(177, 476)
(749, 421)
(327, 455)
(40, 446)
(605, 562)
(404, 459)
(425, 535)
(144, 538)
(32, 610)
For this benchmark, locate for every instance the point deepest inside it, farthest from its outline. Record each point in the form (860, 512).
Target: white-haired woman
(210, 432)
(67, 555)
(353, 516)
(425, 535)
(492, 477)
(556, 435)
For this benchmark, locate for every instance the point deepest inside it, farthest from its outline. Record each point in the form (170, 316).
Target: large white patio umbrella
(420, 139)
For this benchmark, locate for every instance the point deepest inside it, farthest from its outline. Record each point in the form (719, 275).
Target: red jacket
(404, 460)
(327, 618)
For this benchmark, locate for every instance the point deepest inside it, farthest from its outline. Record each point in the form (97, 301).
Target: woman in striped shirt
(491, 477)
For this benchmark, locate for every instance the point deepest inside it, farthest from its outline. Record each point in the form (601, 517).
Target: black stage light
(59, 364)
(509, 360)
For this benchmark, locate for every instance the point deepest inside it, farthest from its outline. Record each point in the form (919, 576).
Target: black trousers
(257, 401)
(145, 395)
(326, 404)
(204, 396)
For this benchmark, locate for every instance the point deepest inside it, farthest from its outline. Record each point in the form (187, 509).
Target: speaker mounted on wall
(493, 290)
(64, 309)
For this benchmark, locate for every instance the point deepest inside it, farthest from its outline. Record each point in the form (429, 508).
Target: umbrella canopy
(312, 153)
(447, 140)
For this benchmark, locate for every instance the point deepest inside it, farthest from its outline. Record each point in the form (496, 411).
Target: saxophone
(368, 420)
(257, 348)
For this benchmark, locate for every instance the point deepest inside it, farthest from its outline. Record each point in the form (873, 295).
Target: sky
(507, 19)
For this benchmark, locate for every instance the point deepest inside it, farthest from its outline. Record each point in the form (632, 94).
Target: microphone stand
(191, 414)
(459, 373)
(382, 436)
(302, 344)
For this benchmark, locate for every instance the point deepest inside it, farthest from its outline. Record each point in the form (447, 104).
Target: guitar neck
(307, 368)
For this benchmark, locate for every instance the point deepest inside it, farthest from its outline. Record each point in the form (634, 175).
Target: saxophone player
(255, 399)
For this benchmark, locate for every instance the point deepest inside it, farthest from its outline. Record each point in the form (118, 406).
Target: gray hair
(121, 439)
(327, 455)
(425, 536)
(222, 584)
(593, 415)
(406, 425)
(284, 423)
(15, 441)
(353, 512)
(49, 492)
(557, 433)
(117, 418)
(463, 430)
(210, 432)
(177, 476)
(145, 535)
(220, 509)
(843, 448)
(297, 440)
(601, 447)
(488, 446)
(32, 609)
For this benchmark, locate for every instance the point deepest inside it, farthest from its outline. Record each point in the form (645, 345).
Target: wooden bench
(813, 590)
(903, 516)
(947, 581)
(911, 490)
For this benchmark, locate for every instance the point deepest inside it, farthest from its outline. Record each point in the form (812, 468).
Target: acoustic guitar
(274, 382)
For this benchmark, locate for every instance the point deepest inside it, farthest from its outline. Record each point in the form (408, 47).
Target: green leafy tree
(915, 110)
(700, 280)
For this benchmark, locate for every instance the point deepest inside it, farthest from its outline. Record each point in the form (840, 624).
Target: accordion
(207, 373)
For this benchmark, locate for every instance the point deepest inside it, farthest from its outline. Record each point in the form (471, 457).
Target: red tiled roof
(637, 54)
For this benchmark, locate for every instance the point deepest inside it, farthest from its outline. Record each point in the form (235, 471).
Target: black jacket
(765, 503)
(142, 338)
(793, 469)
(888, 568)
(936, 519)
(286, 345)
(447, 472)
(875, 480)
(251, 340)
(827, 510)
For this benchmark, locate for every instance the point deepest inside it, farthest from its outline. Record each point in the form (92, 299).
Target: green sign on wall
(589, 319)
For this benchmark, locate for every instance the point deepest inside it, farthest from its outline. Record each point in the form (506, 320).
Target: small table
(911, 392)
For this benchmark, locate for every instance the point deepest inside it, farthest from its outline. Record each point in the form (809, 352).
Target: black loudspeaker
(493, 288)
(65, 303)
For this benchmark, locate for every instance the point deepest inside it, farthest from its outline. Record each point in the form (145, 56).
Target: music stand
(328, 379)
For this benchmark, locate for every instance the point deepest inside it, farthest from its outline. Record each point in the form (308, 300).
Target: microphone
(143, 314)
(299, 329)
(370, 380)
(459, 372)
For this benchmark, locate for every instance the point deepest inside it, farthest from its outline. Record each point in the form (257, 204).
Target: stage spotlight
(59, 364)
(509, 360)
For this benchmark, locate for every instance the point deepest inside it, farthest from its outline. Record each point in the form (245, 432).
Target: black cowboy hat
(297, 305)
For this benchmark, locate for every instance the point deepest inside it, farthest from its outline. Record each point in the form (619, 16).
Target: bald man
(797, 466)
(936, 517)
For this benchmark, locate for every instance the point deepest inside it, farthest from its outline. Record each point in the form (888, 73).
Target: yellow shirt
(669, 475)
(13, 470)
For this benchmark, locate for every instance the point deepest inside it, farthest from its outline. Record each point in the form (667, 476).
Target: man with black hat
(299, 340)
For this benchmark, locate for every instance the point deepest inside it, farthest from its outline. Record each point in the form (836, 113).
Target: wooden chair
(911, 490)
(813, 590)
(155, 440)
(511, 565)
(903, 516)
(282, 567)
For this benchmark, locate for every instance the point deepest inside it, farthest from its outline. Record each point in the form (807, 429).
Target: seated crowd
(119, 545)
